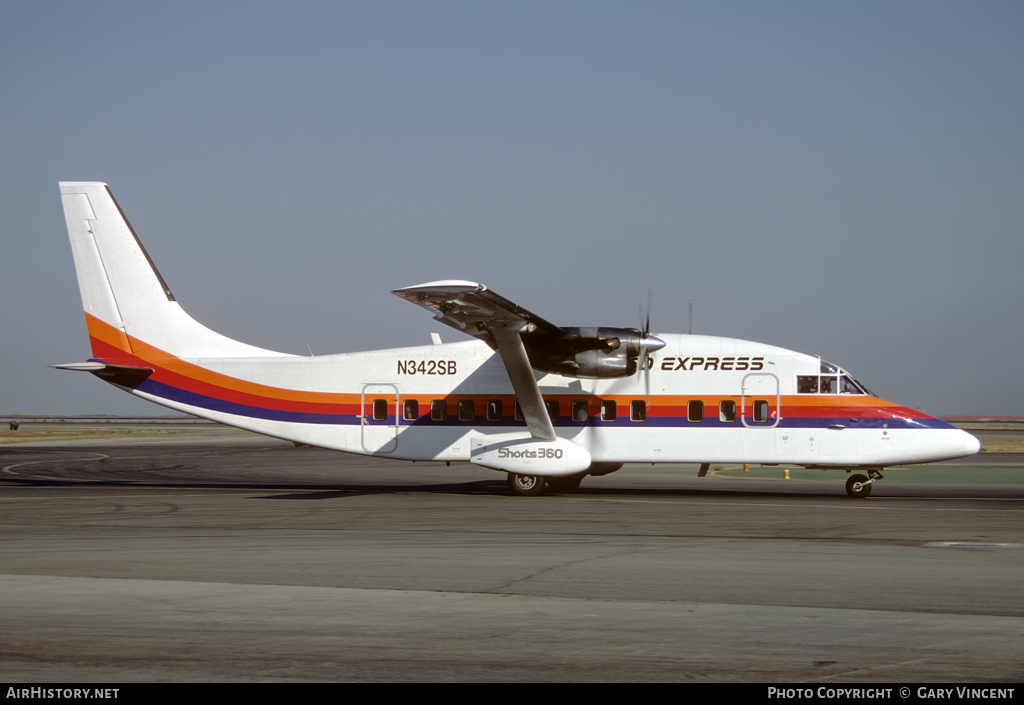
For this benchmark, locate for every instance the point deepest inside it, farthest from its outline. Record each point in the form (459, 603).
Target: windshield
(849, 386)
(832, 380)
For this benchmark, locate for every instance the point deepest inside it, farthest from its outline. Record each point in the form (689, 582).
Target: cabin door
(378, 418)
(760, 412)
(761, 405)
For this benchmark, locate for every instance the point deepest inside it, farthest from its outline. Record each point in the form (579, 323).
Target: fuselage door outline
(379, 437)
(753, 389)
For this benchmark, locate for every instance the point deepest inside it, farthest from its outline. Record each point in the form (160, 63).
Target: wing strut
(517, 363)
(481, 313)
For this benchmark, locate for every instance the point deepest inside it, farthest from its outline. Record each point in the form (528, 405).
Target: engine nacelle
(586, 352)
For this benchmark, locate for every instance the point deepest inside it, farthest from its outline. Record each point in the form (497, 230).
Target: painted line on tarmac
(969, 544)
(8, 469)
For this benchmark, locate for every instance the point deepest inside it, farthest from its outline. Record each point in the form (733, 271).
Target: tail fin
(128, 305)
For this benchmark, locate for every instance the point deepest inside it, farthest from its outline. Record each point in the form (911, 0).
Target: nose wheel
(859, 486)
(525, 485)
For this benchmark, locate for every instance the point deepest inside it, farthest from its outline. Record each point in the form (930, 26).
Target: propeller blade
(647, 377)
(648, 344)
(647, 322)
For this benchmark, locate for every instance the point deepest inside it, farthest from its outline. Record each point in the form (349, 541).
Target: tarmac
(217, 555)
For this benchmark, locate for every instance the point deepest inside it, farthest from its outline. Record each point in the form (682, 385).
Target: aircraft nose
(971, 444)
(651, 343)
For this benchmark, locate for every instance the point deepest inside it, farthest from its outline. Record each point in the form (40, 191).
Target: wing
(475, 310)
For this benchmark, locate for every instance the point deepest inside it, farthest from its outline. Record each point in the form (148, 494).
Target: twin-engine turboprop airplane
(544, 404)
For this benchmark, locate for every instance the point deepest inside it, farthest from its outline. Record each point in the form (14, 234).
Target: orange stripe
(115, 337)
(160, 358)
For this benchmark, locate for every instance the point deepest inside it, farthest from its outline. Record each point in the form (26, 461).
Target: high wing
(473, 309)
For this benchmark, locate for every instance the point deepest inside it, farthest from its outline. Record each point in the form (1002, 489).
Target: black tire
(856, 488)
(565, 485)
(525, 485)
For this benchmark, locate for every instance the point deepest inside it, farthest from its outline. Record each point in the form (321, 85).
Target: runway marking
(969, 544)
(9, 471)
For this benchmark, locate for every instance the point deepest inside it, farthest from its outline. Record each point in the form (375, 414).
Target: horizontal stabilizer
(121, 375)
(82, 366)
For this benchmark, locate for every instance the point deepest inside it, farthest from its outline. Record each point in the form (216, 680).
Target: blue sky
(842, 179)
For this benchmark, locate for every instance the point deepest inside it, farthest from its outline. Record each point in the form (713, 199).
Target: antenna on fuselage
(690, 331)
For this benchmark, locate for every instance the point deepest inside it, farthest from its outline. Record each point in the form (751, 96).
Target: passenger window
(637, 411)
(552, 406)
(467, 410)
(410, 410)
(807, 385)
(438, 410)
(727, 411)
(607, 411)
(579, 410)
(828, 385)
(380, 409)
(493, 410)
(760, 411)
(695, 411)
(517, 412)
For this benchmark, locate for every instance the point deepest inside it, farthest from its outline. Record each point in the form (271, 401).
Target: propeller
(648, 344)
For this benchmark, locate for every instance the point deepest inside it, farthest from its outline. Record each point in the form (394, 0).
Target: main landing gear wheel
(525, 485)
(857, 486)
(565, 485)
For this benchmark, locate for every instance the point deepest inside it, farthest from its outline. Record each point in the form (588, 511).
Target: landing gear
(859, 486)
(525, 485)
(565, 485)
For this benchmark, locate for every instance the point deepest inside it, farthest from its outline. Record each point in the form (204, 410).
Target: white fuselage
(811, 429)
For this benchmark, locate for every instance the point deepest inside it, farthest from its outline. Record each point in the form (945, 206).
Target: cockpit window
(827, 368)
(849, 386)
(807, 384)
(866, 390)
(829, 384)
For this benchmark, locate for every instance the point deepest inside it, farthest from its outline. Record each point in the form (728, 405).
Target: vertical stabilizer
(126, 301)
